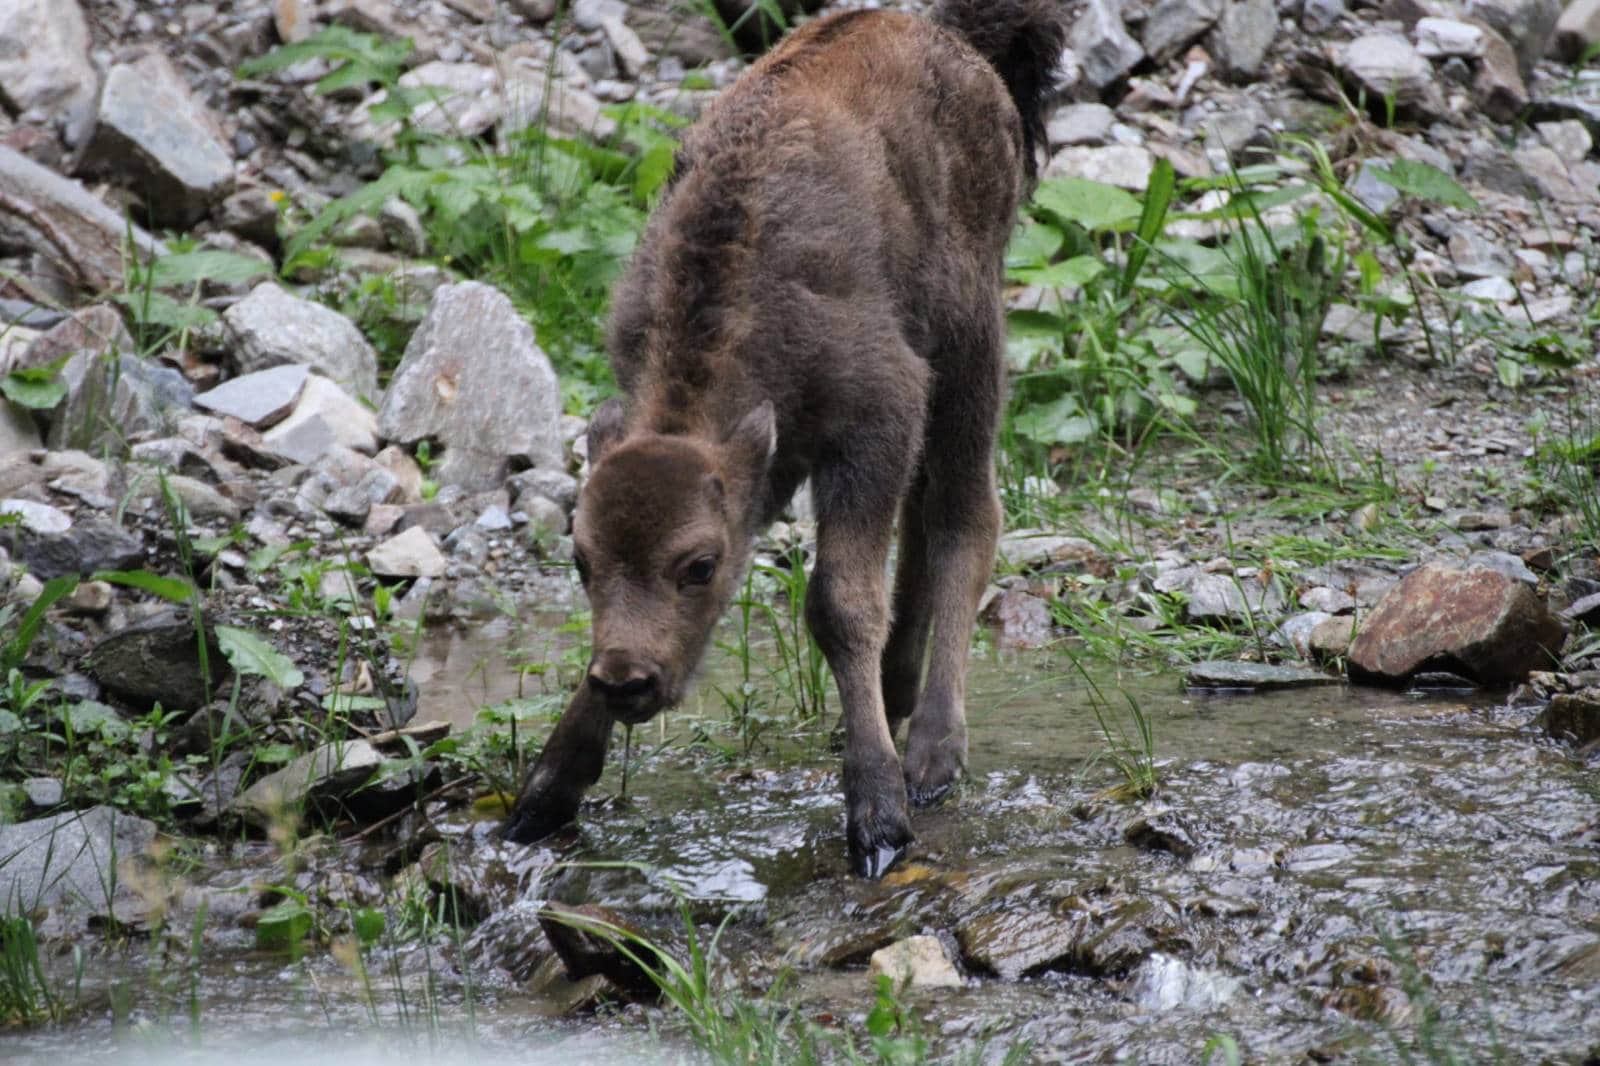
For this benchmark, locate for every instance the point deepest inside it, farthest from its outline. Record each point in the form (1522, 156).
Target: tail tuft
(1022, 40)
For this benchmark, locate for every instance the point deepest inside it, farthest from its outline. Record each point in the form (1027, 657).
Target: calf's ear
(752, 443)
(605, 428)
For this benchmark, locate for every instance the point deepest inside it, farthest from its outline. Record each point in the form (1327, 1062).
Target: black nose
(619, 679)
(630, 689)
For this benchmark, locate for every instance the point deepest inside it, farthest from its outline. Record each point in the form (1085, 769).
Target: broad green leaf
(92, 716)
(367, 923)
(1091, 204)
(175, 589)
(1061, 421)
(1425, 182)
(9, 723)
(283, 927)
(1071, 273)
(1033, 244)
(213, 265)
(32, 394)
(249, 654)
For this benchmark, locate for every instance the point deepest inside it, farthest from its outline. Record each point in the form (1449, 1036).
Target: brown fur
(817, 296)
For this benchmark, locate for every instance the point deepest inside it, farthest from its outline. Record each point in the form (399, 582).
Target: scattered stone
(1331, 600)
(1102, 44)
(1437, 37)
(1469, 620)
(1568, 138)
(44, 63)
(1162, 829)
(61, 221)
(91, 544)
(1528, 25)
(1124, 165)
(1080, 124)
(1384, 65)
(554, 485)
(154, 135)
(1574, 716)
(261, 399)
(474, 380)
(1490, 290)
(1243, 37)
(1253, 677)
(918, 961)
(1224, 598)
(90, 597)
(1023, 619)
(1033, 549)
(1585, 609)
(37, 518)
(409, 554)
(1319, 16)
(1164, 983)
(77, 867)
(272, 328)
(1498, 86)
(1578, 29)
(157, 661)
(44, 793)
(1172, 24)
(343, 419)
(1015, 944)
(314, 783)
(586, 953)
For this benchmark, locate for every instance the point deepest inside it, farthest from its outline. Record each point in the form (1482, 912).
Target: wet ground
(1320, 874)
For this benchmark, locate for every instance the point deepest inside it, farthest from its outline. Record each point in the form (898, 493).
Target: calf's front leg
(847, 609)
(571, 761)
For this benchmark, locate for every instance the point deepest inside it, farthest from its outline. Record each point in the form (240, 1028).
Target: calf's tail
(1022, 40)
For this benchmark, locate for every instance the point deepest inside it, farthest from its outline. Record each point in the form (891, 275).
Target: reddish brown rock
(1023, 620)
(1472, 621)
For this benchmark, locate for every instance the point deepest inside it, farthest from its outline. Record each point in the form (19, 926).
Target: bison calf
(817, 296)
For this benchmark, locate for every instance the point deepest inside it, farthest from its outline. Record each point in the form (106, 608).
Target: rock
(1569, 139)
(1468, 620)
(1476, 256)
(1384, 65)
(1585, 609)
(200, 501)
(408, 554)
(1253, 677)
(18, 432)
(407, 474)
(112, 397)
(918, 961)
(37, 518)
(1243, 37)
(1497, 85)
(1574, 716)
(348, 422)
(1295, 632)
(272, 328)
(1578, 29)
(1161, 829)
(1493, 290)
(155, 137)
(1223, 598)
(474, 380)
(44, 62)
(1103, 47)
(77, 866)
(90, 597)
(260, 399)
(313, 783)
(292, 20)
(1172, 24)
(1014, 944)
(157, 661)
(554, 485)
(486, 875)
(536, 11)
(90, 544)
(1124, 165)
(1551, 178)
(44, 793)
(586, 952)
(1080, 124)
(1527, 25)
(632, 56)
(1437, 37)
(1033, 549)
(1330, 639)
(1505, 563)
(61, 221)
(1320, 16)
(1023, 619)
(1331, 600)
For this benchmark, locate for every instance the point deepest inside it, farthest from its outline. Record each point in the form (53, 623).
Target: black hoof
(536, 819)
(928, 797)
(879, 860)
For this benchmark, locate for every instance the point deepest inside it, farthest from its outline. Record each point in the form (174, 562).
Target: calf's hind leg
(960, 525)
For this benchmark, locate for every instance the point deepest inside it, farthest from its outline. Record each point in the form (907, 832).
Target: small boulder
(918, 961)
(44, 61)
(474, 379)
(1243, 36)
(313, 783)
(1174, 23)
(1017, 943)
(152, 134)
(408, 554)
(1023, 620)
(76, 867)
(1102, 44)
(89, 544)
(1472, 620)
(1385, 66)
(1578, 29)
(261, 399)
(270, 328)
(1574, 716)
(1222, 675)
(157, 661)
(349, 423)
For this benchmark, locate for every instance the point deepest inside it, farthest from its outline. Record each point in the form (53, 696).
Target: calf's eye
(700, 571)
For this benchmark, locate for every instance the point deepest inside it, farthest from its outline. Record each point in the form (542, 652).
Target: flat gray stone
(271, 327)
(1243, 36)
(474, 379)
(91, 544)
(38, 518)
(152, 135)
(1124, 165)
(1385, 65)
(1080, 124)
(408, 554)
(1174, 23)
(1258, 677)
(315, 781)
(260, 399)
(1102, 44)
(64, 223)
(76, 866)
(351, 423)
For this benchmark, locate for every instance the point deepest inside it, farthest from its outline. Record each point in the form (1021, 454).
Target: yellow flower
(277, 196)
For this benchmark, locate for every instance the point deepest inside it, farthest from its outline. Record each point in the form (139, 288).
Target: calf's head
(662, 533)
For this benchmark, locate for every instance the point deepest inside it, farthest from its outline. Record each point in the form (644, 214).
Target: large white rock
(1385, 66)
(474, 380)
(920, 961)
(152, 135)
(408, 554)
(270, 327)
(44, 60)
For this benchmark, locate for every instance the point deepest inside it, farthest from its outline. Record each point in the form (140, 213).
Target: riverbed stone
(91, 544)
(261, 399)
(1124, 165)
(271, 327)
(408, 554)
(1469, 620)
(1577, 29)
(1080, 124)
(45, 67)
(1386, 65)
(157, 661)
(314, 783)
(38, 518)
(1254, 677)
(76, 867)
(1022, 619)
(474, 380)
(64, 223)
(1574, 716)
(1243, 36)
(917, 961)
(1035, 549)
(1105, 50)
(586, 952)
(1016, 943)
(153, 135)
